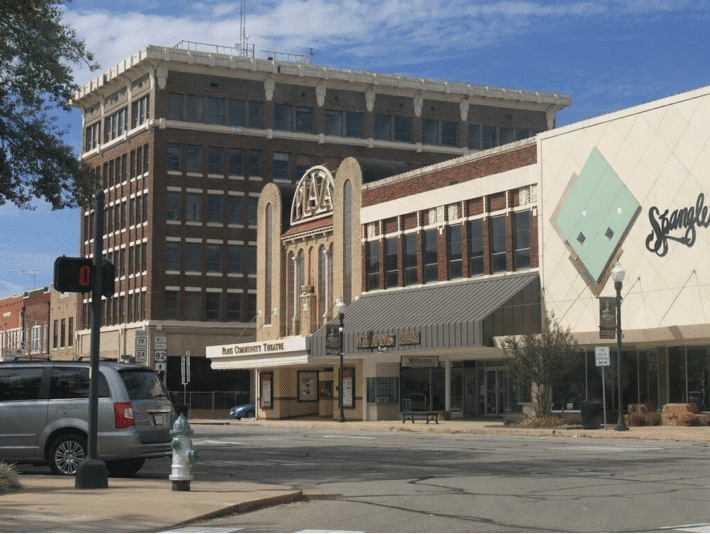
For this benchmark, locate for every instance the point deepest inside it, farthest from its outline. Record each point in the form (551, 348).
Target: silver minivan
(44, 415)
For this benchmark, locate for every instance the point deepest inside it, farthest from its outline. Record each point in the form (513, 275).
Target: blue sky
(607, 54)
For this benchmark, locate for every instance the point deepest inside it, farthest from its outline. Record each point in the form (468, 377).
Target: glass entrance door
(496, 391)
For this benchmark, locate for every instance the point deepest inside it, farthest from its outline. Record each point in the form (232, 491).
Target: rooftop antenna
(34, 276)
(243, 37)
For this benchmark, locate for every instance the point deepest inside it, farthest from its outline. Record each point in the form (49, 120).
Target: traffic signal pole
(92, 473)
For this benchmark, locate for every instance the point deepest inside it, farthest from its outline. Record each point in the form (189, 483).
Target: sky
(606, 54)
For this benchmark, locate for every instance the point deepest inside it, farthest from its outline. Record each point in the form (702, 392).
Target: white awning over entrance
(260, 354)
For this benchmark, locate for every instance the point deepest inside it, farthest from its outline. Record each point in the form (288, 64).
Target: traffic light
(108, 279)
(73, 275)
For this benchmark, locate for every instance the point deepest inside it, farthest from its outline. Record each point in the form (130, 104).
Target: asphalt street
(406, 482)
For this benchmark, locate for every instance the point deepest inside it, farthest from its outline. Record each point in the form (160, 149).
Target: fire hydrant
(184, 456)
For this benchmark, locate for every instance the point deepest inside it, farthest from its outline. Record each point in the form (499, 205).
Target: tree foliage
(539, 362)
(36, 56)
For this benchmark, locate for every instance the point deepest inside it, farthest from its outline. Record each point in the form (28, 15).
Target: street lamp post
(617, 274)
(340, 305)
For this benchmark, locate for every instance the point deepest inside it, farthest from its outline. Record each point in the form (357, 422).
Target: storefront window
(422, 389)
(699, 376)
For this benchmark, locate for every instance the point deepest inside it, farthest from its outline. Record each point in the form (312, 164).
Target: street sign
(161, 366)
(141, 340)
(160, 343)
(160, 356)
(141, 357)
(602, 357)
(185, 368)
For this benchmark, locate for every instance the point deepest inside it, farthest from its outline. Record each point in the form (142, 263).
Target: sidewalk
(52, 504)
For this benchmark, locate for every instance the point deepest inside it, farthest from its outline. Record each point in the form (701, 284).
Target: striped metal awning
(440, 316)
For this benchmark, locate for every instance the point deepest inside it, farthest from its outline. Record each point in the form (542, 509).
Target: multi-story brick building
(185, 142)
(25, 324)
(456, 256)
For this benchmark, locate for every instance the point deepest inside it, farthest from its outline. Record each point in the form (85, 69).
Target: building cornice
(154, 57)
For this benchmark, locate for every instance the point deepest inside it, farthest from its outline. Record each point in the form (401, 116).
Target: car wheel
(124, 468)
(66, 453)
(249, 415)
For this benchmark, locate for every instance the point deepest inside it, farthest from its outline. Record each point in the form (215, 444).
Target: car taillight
(124, 414)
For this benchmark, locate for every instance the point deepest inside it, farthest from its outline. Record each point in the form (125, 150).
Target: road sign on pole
(602, 357)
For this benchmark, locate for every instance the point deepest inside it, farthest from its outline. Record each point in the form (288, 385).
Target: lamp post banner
(332, 340)
(607, 317)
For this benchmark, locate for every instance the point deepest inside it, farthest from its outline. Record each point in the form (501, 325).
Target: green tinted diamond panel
(596, 214)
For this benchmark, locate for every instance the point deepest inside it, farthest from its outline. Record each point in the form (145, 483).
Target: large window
(431, 256)
(192, 257)
(280, 167)
(454, 246)
(353, 124)
(304, 120)
(383, 127)
(214, 258)
(139, 111)
(115, 125)
(235, 164)
(430, 132)
(236, 113)
(212, 306)
(193, 306)
(215, 157)
(522, 240)
(391, 268)
(215, 111)
(234, 307)
(410, 259)
(403, 129)
(498, 252)
(172, 206)
(174, 157)
(194, 159)
(234, 259)
(333, 122)
(194, 207)
(214, 208)
(254, 163)
(373, 265)
(172, 256)
(268, 263)
(282, 117)
(234, 210)
(194, 109)
(475, 247)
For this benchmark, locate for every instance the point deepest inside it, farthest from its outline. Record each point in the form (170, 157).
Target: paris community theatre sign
(688, 219)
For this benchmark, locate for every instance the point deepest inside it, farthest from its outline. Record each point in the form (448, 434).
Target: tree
(36, 54)
(539, 362)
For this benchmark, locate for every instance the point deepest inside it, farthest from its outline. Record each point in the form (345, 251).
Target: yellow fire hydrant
(184, 456)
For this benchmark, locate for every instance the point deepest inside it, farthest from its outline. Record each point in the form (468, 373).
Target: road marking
(701, 527)
(216, 442)
(350, 437)
(605, 448)
(237, 463)
(197, 530)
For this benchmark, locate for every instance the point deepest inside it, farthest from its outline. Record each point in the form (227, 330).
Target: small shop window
(382, 390)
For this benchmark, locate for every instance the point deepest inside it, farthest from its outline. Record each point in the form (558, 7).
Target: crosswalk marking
(200, 528)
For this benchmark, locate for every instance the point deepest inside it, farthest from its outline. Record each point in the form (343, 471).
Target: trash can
(591, 412)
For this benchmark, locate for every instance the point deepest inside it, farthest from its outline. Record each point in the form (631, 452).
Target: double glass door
(495, 391)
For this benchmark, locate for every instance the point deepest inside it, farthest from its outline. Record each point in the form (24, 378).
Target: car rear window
(73, 383)
(143, 385)
(20, 383)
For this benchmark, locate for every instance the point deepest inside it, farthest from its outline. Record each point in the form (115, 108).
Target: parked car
(44, 415)
(243, 411)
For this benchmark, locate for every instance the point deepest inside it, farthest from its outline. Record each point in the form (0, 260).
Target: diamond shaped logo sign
(593, 217)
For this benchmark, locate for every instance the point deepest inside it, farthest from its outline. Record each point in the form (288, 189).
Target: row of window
(118, 309)
(129, 260)
(293, 118)
(212, 110)
(120, 216)
(192, 310)
(433, 268)
(63, 334)
(211, 208)
(215, 160)
(116, 124)
(210, 257)
(23, 383)
(125, 166)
